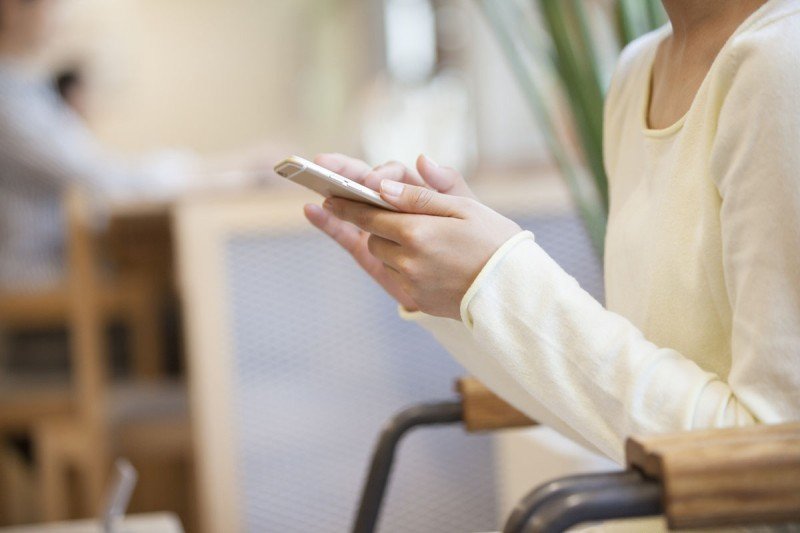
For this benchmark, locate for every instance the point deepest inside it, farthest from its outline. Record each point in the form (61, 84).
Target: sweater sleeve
(756, 167)
(589, 366)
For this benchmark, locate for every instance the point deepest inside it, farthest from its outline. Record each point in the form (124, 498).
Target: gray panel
(322, 361)
(565, 239)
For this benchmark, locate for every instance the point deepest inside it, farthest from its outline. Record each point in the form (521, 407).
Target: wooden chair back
(89, 366)
(74, 303)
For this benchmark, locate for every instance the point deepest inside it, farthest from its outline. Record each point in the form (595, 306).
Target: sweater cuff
(487, 269)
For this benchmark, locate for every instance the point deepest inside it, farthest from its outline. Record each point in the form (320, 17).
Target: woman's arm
(591, 367)
(756, 166)
(48, 145)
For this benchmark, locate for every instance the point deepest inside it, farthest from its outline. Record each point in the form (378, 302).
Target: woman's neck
(700, 29)
(698, 19)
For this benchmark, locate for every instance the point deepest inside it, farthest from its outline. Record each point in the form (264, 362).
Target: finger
(348, 236)
(446, 180)
(375, 220)
(399, 278)
(346, 166)
(386, 251)
(413, 199)
(394, 171)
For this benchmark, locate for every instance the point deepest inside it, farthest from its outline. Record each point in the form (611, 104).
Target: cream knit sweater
(702, 324)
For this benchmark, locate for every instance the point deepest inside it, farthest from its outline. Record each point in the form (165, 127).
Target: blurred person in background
(45, 148)
(702, 264)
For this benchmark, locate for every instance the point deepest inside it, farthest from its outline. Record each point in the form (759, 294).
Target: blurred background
(323, 74)
(163, 299)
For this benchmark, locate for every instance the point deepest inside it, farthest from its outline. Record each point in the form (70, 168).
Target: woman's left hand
(435, 247)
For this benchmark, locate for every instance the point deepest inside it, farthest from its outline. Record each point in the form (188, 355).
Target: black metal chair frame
(552, 507)
(566, 502)
(429, 414)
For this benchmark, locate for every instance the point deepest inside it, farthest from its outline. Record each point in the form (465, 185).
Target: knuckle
(469, 204)
(372, 244)
(421, 197)
(362, 218)
(416, 294)
(407, 267)
(389, 170)
(393, 164)
(329, 160)
(410, 234)
(420, 237)
(342, 211)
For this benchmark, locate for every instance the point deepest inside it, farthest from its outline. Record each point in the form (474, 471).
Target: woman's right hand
(442, 179)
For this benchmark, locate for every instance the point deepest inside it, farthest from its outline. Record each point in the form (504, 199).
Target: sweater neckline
(646, 91)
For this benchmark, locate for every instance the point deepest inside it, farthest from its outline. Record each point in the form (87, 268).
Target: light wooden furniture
(131, 296)
(483, 410)
(201, 232)
(106, 420)
(726, 477)
(130, 299)
(17, 487)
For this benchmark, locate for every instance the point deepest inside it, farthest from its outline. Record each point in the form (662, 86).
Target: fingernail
(327, 205)
(391, 188)
(430, 161)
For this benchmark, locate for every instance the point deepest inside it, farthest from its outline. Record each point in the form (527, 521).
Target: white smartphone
(328, 183)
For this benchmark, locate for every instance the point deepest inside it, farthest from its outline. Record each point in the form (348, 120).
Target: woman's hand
(445, 180)
(434, 248)
(354, 240)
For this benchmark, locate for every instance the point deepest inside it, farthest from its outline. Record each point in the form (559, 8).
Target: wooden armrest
(485, 411)
(734, 476)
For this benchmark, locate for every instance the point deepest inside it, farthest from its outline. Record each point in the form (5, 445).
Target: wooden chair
(145, 418)
(713, 478)
(129, 297)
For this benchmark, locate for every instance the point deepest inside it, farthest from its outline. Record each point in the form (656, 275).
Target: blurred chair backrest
(86, 330)
(72, 303)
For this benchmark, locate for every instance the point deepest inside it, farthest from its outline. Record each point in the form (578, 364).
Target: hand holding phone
(327, 183)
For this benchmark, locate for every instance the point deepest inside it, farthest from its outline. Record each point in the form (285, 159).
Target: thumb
(444, 179)
(420, 200)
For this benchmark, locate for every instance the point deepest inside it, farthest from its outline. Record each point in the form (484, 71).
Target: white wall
(213, 74)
